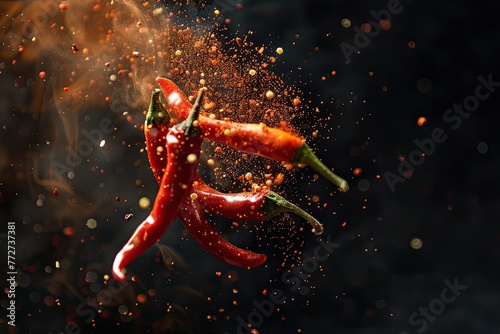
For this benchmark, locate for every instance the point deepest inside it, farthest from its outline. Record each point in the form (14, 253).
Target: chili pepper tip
(305, 155)
(274, 203)
(117, 268)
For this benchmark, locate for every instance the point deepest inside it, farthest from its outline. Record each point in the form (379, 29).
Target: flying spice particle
(421, 121)
(346, 23)
(270, 94)
(63, 6)
(416, 243)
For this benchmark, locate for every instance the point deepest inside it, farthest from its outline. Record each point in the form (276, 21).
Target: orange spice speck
(421, 121)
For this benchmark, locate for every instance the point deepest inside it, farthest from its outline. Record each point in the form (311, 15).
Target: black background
(450, 202)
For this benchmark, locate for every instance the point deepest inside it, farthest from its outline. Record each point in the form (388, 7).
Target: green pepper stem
(190, 125)
(304, 155)
(274, 204)
(157, 114)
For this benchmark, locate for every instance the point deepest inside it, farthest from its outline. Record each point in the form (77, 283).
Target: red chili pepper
(238, 206)
(183, 151)
(259, 139)
(191, 214)
(259, 205)
(208, 237)
(156, 128)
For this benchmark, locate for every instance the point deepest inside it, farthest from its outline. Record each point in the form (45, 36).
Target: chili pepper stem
(157, 114)
(190, 125)
(304, 155)
(274, 203)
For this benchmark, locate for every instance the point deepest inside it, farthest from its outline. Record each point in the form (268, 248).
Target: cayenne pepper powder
(260, 205)
(260, 139)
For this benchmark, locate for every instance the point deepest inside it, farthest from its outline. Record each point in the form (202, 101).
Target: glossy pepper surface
(259, 139)
(183, 152)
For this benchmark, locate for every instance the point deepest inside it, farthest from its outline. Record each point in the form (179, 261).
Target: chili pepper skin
(191, 214)
(156, 128)
(237, 206)
(259, 205)
(259, 139)
(183, 151)
(208, 237)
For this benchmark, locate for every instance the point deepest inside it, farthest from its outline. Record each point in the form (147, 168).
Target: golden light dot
(144, 203)
(192, 158)
(256, 187)
(416, 243)
(248, 176)
(178, 52)
(279, 51)
(346, 23)
(270, 94)
(252, 72)
(91, 223)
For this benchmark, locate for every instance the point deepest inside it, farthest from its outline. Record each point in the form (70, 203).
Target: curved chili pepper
(238, 206)
(260, 205)
(190, 212)
(183, 151)
(208, 237)
(259, 139)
